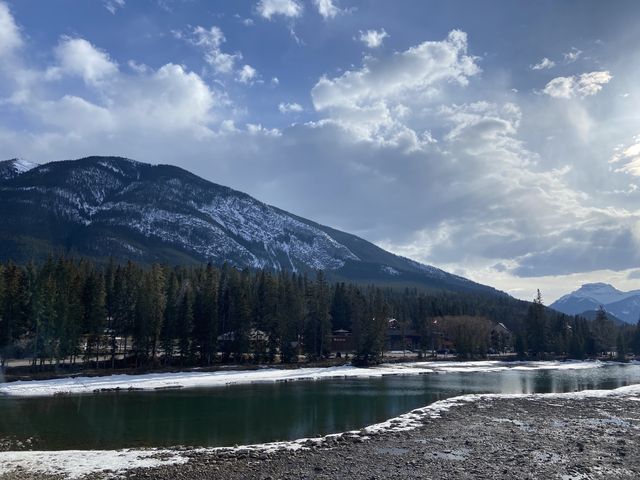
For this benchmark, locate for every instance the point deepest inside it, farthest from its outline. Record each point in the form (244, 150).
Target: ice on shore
(199, 379)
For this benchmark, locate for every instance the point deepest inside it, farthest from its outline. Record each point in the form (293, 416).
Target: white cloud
(275, 81)
(372, 101)
(543, 64)
(210, 41)
(113, 5)
(258, 129)
(373, 38)
(10, 37)
(572, 55)
(630, 155)
(289, 108)
(285, 8)
(169, 99)
(583, 85)
(78, 57)
(247, 74)
(326, 8)
(591, 83)
(561, 87)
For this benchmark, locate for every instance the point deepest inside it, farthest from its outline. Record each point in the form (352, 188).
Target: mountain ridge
(114, 206)
(590, 296)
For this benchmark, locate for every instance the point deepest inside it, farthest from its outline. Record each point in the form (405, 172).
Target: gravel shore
(493, 438)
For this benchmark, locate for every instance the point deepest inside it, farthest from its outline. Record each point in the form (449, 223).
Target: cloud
(584, 85)
(285, 108)
(372, 101)
(630, 155)
(210, 41)
(169, 99)
(10, 37)
(113, 5)
(78, 57)
(634, 275)
(113, 102)
(373, 38)
(543, 64)
(326, 8)
(572, 55)
(247, 74)
(285, 8)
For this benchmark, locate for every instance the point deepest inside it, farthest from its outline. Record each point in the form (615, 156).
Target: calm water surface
(244, 414)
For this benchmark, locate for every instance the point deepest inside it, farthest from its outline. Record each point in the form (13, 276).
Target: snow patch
(389, 270)
(21, 165)
(77, 463)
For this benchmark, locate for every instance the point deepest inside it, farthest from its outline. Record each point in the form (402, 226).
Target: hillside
(109, 206)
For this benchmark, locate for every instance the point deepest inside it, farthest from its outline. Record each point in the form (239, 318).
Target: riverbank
(15, 370)
(202, 379)
(582, 435)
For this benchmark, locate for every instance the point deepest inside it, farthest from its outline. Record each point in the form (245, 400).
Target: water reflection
(266, 412)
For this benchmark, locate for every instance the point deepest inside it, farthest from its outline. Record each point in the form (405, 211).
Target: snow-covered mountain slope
(623, 305)
(14, 167)
(110, 206)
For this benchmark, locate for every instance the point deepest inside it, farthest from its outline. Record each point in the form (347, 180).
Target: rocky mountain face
(589, 297)
(110, 206)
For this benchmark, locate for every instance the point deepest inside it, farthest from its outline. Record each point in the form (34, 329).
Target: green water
(266, 412)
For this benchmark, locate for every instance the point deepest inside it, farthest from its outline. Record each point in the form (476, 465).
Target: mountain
(589, 297)
(14, 167)
(111, 206)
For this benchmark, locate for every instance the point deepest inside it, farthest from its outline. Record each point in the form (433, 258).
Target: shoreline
(203, 379)
(499, 417)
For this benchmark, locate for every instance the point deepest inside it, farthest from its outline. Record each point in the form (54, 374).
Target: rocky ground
(495, 438)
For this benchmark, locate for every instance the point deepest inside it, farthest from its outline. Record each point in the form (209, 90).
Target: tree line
(78, 311)
(545, 331)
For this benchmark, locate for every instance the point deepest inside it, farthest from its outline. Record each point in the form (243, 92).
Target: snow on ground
(158, 381)
(76, 463)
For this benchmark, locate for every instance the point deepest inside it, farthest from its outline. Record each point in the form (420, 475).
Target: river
(256, 413)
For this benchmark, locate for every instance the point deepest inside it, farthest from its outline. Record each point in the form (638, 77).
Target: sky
(498, 140)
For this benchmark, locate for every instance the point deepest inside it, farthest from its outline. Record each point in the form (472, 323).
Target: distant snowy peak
(601, 293)
(590, 296)
(14, 167)
(22, 165)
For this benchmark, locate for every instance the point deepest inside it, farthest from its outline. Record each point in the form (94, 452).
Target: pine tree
(536, 326)
(158, 303)
(318, 329)
(14, 308)
(206, 316)
(621, 348)
(171, 318)
(603, 332)
(185, 321)
(94, 314)
(636, 339)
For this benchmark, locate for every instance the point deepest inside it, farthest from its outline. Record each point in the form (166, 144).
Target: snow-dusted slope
(623, 305)
(14, 167)
(109, 206)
